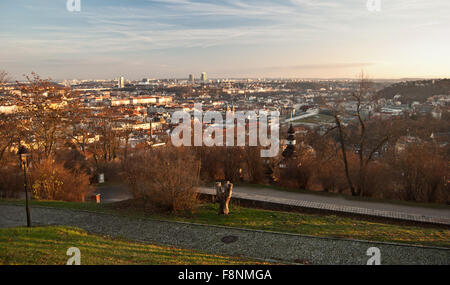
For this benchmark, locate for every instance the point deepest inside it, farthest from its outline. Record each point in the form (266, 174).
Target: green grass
(285, 189)
(314, 225)
(88, 206)
(48, 246)
(316, 119)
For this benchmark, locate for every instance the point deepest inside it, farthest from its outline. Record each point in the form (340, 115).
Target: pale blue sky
(226, 38)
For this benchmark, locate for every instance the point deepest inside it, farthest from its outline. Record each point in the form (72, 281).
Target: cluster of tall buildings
(203, 77)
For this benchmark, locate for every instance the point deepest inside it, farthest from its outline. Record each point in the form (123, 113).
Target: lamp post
(24, 154)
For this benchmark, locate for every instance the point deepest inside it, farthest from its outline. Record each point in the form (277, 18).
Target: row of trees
(417, 173)
(51, 119)
(372, 163)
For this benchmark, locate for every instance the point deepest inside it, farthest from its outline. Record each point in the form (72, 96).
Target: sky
(225, 38)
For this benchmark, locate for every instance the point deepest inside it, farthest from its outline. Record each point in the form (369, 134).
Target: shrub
(164, 179)
(331, 176)
(52, 181)
(254, 164)
(423, 174)
(11, 182)
(378, 181)
(299, 170)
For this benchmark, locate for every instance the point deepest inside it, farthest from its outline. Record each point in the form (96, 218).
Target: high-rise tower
(203, 77)
(121, 82)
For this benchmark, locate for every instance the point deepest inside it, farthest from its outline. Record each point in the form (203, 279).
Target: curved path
(250, 243)
(340, 204)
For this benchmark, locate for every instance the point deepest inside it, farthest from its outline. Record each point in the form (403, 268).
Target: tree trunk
(344, 156)
(223, 196)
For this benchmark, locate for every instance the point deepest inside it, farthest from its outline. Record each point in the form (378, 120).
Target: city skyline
(226, 39)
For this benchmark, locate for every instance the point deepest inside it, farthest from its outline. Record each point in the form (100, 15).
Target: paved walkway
(340, 204)
(117, 193)
(113, 193)
(250, 243)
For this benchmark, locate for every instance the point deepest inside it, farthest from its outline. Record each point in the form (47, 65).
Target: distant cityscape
(147, 104)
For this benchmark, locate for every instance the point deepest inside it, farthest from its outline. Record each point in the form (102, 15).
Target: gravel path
(340, 204)
(250, 243)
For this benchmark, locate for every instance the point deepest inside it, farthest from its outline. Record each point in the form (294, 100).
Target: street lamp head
(23, 150)
(23, 153)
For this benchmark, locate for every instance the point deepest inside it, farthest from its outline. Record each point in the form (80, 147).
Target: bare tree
(45, 107)
(254, 164)
(4, 78)
(8, 122)
(360, 137)
(220, 163)
(231, 158)
(124, 138)
(105, 149)
(80, 126)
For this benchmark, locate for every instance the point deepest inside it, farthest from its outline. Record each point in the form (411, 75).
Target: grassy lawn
(48, 246)
(315, 225)
(323, 226)
(316, 119)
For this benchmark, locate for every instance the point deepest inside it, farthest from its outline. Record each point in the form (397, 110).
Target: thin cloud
(326, 65)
